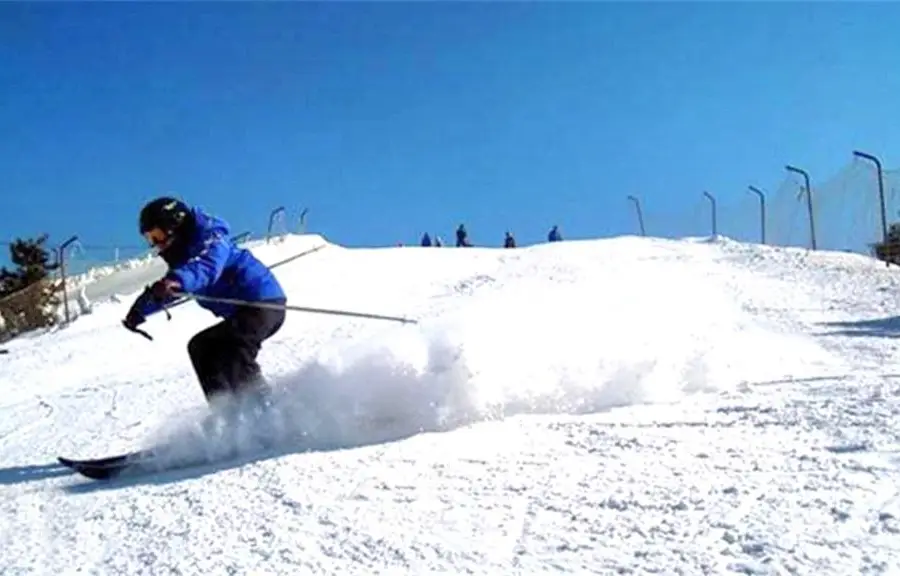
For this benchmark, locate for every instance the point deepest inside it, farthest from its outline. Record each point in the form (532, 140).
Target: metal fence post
(303, 220)
(640, 215)
(712, 202)
(809, 203)
(275, 213)
(762, 212)
(61, 257)
(877, 162)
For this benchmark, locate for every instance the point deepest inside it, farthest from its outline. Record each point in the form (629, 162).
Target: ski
(134, 463)
(145, 461)
(107, 467)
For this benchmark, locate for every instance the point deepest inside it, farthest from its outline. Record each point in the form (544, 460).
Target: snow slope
(616, 406)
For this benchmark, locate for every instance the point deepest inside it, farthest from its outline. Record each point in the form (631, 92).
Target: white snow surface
(617, 406)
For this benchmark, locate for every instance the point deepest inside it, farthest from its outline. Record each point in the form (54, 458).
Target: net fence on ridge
(846, 212)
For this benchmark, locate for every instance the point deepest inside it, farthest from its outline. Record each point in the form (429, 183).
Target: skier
(509, 241)
(554, 235)
(462, 237)
(203, 260)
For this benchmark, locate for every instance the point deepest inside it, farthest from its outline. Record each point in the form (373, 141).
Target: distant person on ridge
(462, 237)
(509, 241)
(426, 239)
(438, 242)
(203, 260)
(554, 235)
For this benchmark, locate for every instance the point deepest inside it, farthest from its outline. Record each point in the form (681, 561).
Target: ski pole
(143, 333)
(276, 306)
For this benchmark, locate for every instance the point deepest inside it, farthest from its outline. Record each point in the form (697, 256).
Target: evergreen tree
(28, 296)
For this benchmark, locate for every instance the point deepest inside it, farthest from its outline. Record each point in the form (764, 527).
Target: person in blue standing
(554, 235)
(462, 237)
(203, 260)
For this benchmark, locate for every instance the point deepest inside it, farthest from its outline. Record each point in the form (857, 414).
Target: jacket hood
(206, 223)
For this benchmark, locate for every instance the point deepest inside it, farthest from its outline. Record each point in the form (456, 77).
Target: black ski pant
(224, 355)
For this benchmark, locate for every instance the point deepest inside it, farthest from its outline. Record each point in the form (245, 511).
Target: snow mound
(627, 405)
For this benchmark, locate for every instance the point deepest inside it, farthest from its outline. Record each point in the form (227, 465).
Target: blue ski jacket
(215, 266)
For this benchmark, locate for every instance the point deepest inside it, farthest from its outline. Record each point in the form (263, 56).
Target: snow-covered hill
(616, 406)
(101, 283)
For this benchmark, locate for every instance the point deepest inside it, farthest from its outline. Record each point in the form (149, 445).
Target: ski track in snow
(619, 406)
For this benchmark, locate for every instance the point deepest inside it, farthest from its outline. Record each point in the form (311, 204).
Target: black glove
(135, 317)
(163, 289)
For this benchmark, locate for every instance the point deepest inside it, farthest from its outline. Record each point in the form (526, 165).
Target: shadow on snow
(876, 327)
(31, 473)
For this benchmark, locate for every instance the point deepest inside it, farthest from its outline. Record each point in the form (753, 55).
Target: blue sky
(389, 119)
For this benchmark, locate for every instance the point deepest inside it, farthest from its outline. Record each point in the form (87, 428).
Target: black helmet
(165, 213)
